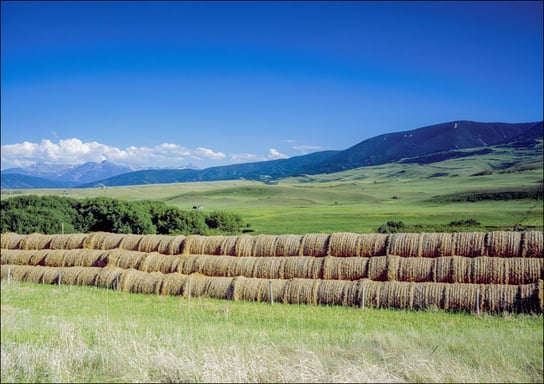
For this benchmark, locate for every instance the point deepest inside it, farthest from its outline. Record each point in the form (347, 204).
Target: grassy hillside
(362, 199)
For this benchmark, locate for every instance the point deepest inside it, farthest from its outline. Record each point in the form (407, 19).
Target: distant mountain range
(423, 145)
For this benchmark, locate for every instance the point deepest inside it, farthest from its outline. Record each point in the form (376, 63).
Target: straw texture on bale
(36, 241)
(244, 245)
(345, 268)
(212, 245)
(470, 244)
(301, 291)
(437, 244)
(16, 257)
(157, 262)
(108, 276)
(343, 244)
(532, 244)
(332, 292)
(405, 244)
(503, 244)
(265, 245)
(17, 272)
(288, 245)
(315, 244)
(173, 284)
(12, 240)
(415, 269)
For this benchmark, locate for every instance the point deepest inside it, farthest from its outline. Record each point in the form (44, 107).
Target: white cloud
(275, 154)
(75, 151)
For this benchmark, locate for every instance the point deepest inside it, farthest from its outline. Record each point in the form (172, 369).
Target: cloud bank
(165, 155)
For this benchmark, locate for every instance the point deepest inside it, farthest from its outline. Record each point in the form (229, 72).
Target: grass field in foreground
(85, 334)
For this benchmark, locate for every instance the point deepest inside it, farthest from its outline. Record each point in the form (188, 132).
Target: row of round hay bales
(469, 244)
(392, 294)
(447, 269)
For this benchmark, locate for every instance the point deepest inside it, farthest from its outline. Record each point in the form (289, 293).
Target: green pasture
(362, 199)
(88, 334)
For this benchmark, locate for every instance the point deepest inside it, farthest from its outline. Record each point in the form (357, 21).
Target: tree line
(54, 214)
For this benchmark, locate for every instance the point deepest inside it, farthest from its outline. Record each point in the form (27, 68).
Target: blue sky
(165, 84)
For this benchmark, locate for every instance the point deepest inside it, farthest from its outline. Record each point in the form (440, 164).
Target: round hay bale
(131, 242)
(108, 276)
(164, 244)
(415, 269)
(88, 276)
(345, 268)
(219, 287)
(297, 267)
(315, 244)
(392, 267)
(268, 267)
(151, 283)
(228, 247)
(245, 245)
(130, 281)
(158, 262)
(125, 259)
(242, 266)
(54, 258)
(212, 245)
(405, 244)
(373, 245)
(173, 283)
(91, 240)
(532, 244)
(188, 264)
(437, 245)
(428, 295)
(35, 274)
(377, 268)
(470, 244)
(176, 245)
(301, 291)
(331, 292)
(288, 245)
(265, 245)
(151, 243)
(36, 241)
(17, 272)
(369, 292)
(217, 265)
(504, 244)
(194, 245)
(12, 240)
(50, 275)
(344, 244)
(69, 275)
(15, 257)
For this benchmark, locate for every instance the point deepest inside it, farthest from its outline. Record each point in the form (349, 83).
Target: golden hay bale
(130, 280)
(12, 240)
(315, 244)
(345, 268)
(84, 258)
(499, 298)
(88, 276)
(532, 244)
(244, 245)
(35, 274)
(369, 293)
(68, 275)
(437, 244)
(102, 240)
(38, 257)
(377, 268)
(301, 291)
(150, 243)
(265, 245)
(298, 267)
(194, 245)
(164, 244)
(36, 241)
(157, 262)
(470, 244)
(53, 258)
(173, 283)
(16, 272)
(331, 292)
(288, 245)
(108, 277)
(428, 295)
(395, 294)
(212, 245)
(188, 264)
(463, 297)
(228, 246)
(15, 257)
(503, 244)
(405, 244)
(344, 244)
(218, 287)
(125, 259)
(247, 289)
(241, 266)
(131, 242)
(91, 240)
(50, 275)
(151, 283)
(372, 245)
(522, 270)
(415, 269)
(268, 267)
(175, 245)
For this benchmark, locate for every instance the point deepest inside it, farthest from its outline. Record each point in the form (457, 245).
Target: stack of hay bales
(493, 272)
